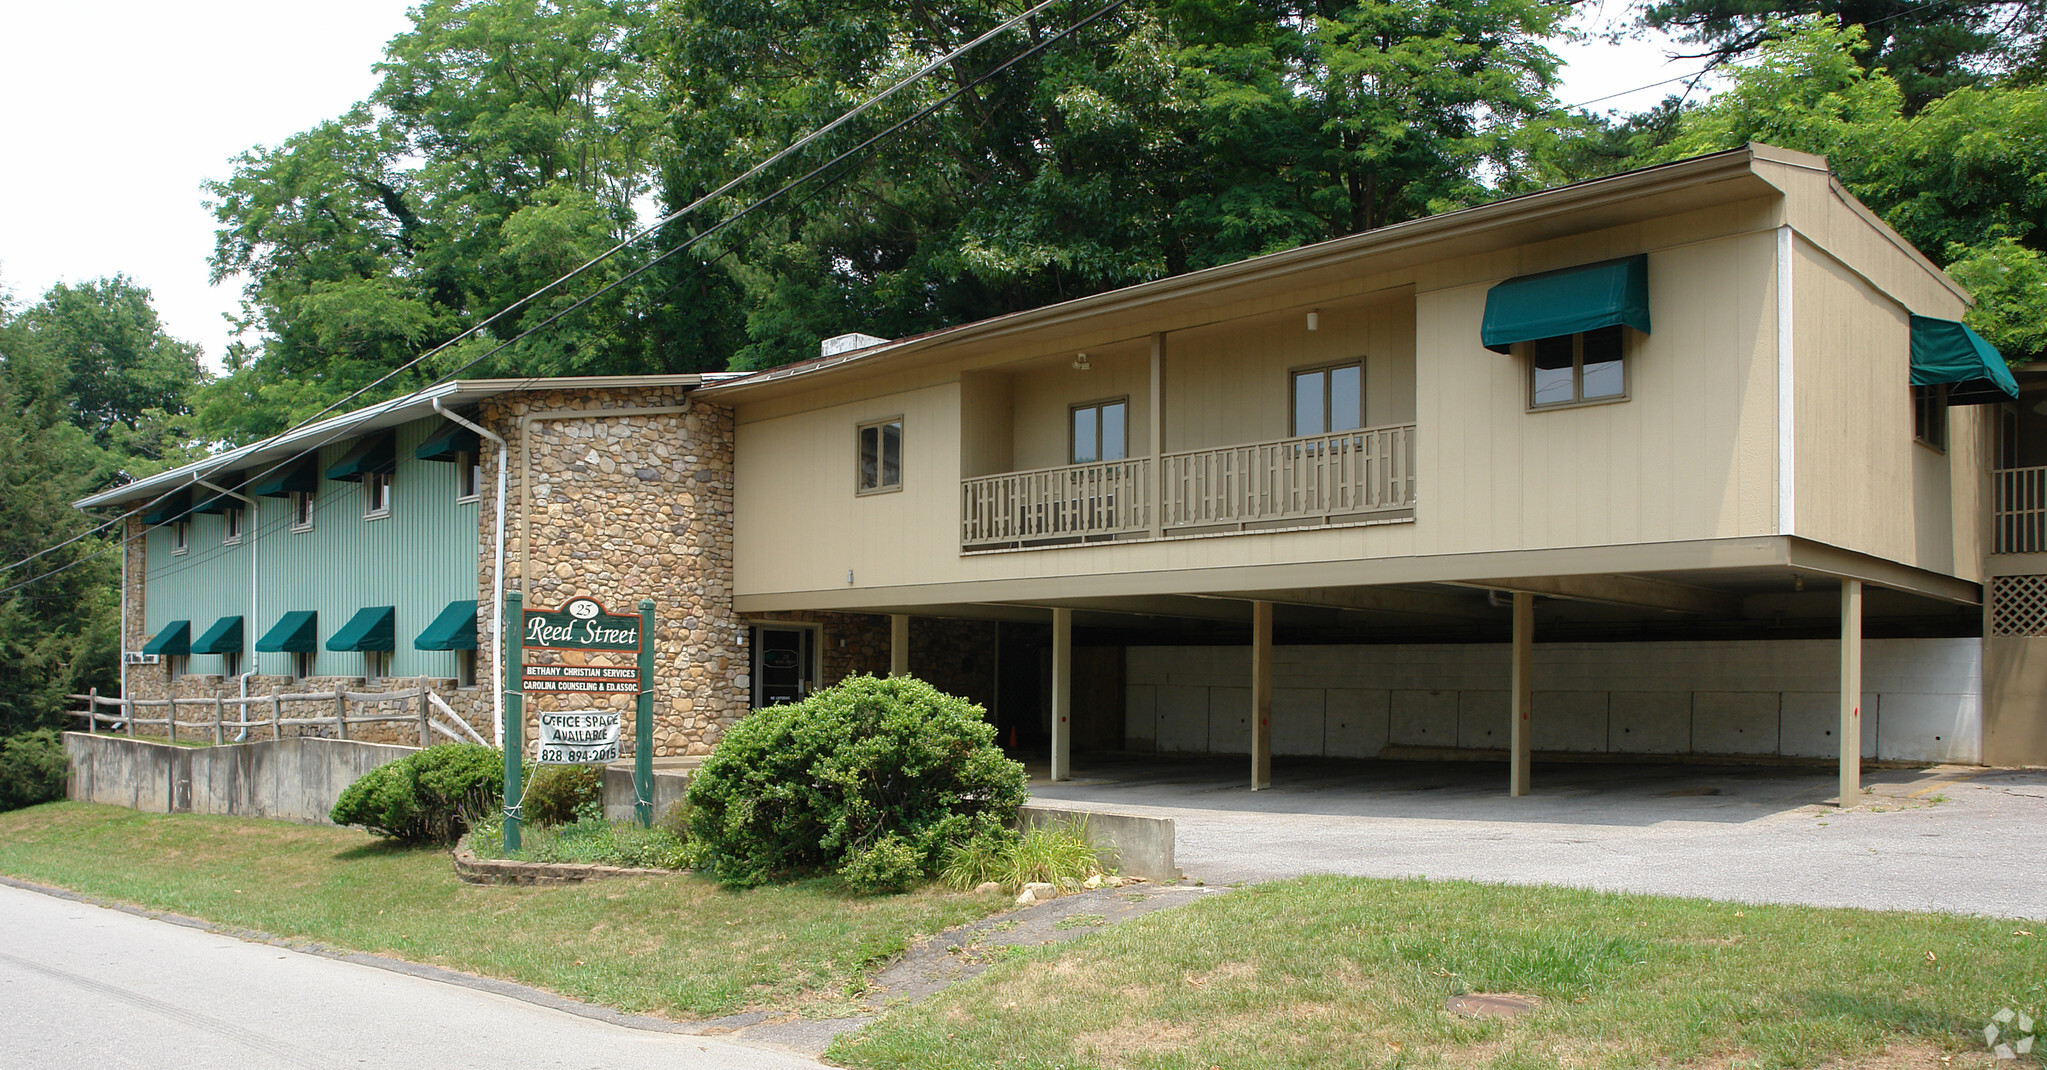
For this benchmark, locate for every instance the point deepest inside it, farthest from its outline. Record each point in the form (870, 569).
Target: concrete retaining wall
(1135, 846)
(1922, 700)
(288, 779)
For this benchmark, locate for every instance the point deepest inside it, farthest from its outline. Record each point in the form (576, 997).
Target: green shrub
(427, 796)
(558, 792)
(1051, 854)
(873, 779)
(33, 769)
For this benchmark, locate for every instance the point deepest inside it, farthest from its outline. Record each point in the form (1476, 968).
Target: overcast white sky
(117, 111)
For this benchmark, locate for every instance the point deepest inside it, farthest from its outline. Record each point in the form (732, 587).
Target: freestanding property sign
(579, 736)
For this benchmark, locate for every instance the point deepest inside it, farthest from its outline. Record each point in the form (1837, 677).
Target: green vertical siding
(418, 559)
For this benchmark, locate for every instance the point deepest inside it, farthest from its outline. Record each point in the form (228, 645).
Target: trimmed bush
(560, 794)
(427, 796)
(33, 769)
(875, 780)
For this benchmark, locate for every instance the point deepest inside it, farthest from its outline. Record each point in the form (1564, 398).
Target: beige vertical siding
(1045, 394)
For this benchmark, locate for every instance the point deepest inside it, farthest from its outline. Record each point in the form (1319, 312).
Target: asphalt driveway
(1951, 838)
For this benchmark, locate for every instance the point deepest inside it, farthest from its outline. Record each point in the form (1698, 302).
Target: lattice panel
(2018, 607)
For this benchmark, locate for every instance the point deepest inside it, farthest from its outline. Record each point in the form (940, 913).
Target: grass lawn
(1340, 972)
(675, 946)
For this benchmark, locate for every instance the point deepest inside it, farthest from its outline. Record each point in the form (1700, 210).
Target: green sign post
(643, 723)
(515, 720)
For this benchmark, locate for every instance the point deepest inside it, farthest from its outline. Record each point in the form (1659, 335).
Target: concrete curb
(474, 870)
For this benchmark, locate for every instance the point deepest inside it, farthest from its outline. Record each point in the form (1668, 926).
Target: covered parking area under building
(1769, 663)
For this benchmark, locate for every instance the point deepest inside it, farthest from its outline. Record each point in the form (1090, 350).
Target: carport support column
(1062, 693)
(1851, 692)
(1523, 693)
(899, 644)
(1261, 695)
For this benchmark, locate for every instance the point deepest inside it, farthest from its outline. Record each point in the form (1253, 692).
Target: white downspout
(497, 595)
(124, 618)
(249, 530)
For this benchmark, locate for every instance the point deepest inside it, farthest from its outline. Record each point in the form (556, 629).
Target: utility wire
(858, 150)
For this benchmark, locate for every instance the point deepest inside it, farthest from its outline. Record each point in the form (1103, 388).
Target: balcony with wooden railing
(2018, 519)
(1350, 477)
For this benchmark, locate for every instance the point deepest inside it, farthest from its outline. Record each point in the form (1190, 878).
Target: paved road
(86, 987)
(1959, 840)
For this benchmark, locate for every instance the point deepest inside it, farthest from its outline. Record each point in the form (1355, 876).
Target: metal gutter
(370, 418)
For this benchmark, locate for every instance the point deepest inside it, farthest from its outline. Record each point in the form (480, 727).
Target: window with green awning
(298, 477)
(296, 632)
(1947, 352)
(448, 444)
(374, 628)
(174, 506)
(173, 639)
(1558, 304)
(225, 637)
(454, 628)
(375, 453)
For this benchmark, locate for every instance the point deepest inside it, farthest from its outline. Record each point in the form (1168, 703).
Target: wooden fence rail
(336, 703)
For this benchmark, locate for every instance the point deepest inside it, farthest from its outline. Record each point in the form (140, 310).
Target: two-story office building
(1666, 463)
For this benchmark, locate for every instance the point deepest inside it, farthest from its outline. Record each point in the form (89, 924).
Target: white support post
(1062, 693)
(1523, 691)
(1157, 504)
(899, 644)
(1851, 692)
(1261, 695)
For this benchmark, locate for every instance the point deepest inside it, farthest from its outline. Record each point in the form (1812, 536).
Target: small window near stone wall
(302, 664)
(174, 666)
(468, 476)
(231, 664)
(465, 668)
(376, 664)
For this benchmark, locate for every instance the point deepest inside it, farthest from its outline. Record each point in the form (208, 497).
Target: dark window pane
(1115, 431)
(1346, 398)
(1085, 434)
(1550, 381)
(891, 455)
(870, 458)
(1308, 401)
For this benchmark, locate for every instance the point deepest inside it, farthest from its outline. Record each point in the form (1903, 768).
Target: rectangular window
(1570, 369)
(181, 536)
(376, 489)
(1101, 431)
(881, 456)
(1329, 400)
(174, 666)
(301, 510)
(376, 664)
(1929, 416)
(231, 526)
(231, 664)
(302, 664)
(465, 668)
(469, 476)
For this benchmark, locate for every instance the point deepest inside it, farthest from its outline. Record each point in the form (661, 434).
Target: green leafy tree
(1927, 49)
(104, 359)
(1162, 139)
(505, 144)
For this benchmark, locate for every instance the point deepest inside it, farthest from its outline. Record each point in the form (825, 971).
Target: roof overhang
(1632, 196)
(259, 456)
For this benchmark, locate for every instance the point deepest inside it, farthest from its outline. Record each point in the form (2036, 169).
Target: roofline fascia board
(348, 422)
(1524, 208)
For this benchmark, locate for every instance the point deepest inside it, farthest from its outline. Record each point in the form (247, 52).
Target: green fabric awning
(173, 638)
(298, 477)
(374, 453)
(225, 637)
(453, 629)
(445, 444)
(212, 501)
(373, 628)
(1570, 301)
(171, 508)
(294, 633)
(1945, 351)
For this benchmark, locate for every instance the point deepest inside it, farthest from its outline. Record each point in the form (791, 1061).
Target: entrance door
(783, 665)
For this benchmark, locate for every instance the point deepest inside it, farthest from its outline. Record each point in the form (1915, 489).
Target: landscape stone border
(476, 870)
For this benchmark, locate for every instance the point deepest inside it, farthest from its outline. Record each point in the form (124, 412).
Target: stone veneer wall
(611, 502)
